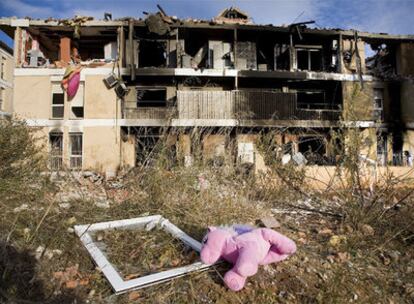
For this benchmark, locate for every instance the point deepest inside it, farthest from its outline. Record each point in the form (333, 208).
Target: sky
(379, 16)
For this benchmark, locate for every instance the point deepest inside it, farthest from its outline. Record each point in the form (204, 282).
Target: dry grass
(357, 257)
(139, 253)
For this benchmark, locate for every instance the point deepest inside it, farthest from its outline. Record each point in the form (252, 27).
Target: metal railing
(236, 104)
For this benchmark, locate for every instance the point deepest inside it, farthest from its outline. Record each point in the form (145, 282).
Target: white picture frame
(119, 285)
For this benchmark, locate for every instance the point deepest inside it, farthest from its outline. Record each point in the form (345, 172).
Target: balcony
(247, 105)
(243, 106)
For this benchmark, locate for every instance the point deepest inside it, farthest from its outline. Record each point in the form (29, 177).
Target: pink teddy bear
(246, 249)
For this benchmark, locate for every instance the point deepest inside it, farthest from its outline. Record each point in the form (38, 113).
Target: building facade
(6, 80)
(143, 79)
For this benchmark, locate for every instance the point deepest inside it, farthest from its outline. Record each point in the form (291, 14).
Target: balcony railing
(237, 104)
(253, 105)
(150, 113)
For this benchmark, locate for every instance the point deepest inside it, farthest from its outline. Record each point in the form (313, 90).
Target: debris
(157, 24)
(367, 230)
(286, 158)
(269, 222)
(102, 204)
(21, 208)
(133, 296)
(71, 221)
(299, 159)
(71, 284)
(64, 205)
(39, 252)
(325, 231)
(337, 240)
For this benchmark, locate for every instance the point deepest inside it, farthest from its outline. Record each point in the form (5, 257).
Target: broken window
(282, 57)
(151, 97)
(58, 101)
(311, 100)
(378, 104)
(383, 63)
(56, 150)
(246, 55)
(75, 150)
(397, 149)
(152, 53)
(309, 59)
(314, 149)
(382, 154)
(76, 103)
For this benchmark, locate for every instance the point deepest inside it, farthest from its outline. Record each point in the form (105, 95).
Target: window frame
(159, 102)
(54, 91)
(300, 106)
(81, 90)
(378, 110)
(309, 50)
(58, 156)
(78, 156)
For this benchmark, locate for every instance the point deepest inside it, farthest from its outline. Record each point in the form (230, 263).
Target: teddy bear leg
(234, 281)
(273, 257)
(247, 264)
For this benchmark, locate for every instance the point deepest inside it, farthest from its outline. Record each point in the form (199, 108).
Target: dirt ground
(43, 260)
(355, 244)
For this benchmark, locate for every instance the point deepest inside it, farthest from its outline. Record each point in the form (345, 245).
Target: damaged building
(6, 80)
(140, 77)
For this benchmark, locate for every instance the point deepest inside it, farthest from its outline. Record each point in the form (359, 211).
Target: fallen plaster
(86, 232)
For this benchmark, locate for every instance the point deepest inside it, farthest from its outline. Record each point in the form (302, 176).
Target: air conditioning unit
(121, 90)
(110, 81)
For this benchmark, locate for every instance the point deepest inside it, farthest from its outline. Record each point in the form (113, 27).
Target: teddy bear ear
(211, 228)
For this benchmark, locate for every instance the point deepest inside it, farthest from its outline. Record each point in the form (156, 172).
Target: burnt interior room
(89, 42)
(382, 63)
(263, 51)
(317, 95)
(314, 149)
(152, 53)
(200, 83)
(151, 96)
(198, 49)
(315, 52)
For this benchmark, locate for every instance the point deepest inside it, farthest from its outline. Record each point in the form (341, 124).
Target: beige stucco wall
(101, 143)
(358, 103)
(214, 145)
(128, 158)
(349, 45)
(99, 101)
(32, 97)
(101, 149)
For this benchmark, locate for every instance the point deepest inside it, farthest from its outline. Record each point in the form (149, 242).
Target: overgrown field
(354, 244)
